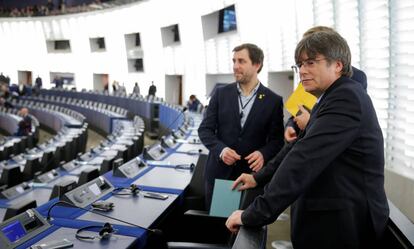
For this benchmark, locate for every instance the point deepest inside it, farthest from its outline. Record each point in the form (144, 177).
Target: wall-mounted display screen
(227, 19)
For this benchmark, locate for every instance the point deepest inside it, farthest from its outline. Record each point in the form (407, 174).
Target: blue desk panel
(166, 177)
(139, 210)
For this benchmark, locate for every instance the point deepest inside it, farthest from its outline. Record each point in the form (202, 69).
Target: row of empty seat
(98, 115)
(70, 140)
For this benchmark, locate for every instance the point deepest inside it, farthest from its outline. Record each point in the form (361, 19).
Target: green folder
(225, 200)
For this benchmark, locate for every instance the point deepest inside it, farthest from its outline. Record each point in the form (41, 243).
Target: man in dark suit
(22, 89)
(243, 126)
(334, 174)
(25, 125)
(152, 90)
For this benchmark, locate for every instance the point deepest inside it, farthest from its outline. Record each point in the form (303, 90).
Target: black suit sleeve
(264, 176)
(275, 139)
(335, 127)
(207, 130)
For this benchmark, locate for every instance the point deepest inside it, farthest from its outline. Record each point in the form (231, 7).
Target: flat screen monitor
(227, 19)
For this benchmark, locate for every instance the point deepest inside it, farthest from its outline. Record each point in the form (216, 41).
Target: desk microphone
(154, 231)
(169, 126)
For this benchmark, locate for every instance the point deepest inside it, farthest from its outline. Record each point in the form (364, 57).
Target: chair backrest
(107, 165)
(399, 233)
(88, 175)
(251, 238)
(47, 161)
(196, 186)
(11, 176)
(19, 208)
(31, 168)
(195, 195)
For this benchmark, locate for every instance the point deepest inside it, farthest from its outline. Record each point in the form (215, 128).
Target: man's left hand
(234, 222)
(255, 160)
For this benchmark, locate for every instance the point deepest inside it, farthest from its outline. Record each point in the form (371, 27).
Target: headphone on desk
(185, 166)
(133, 190)
(105, 232)
(194, 152)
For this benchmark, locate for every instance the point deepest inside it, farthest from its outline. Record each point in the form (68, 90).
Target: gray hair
(329, 44)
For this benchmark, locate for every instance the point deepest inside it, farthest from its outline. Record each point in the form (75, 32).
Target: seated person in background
(194, 104)
(5, 96)
(5, 103)
(4, 91)
(58, 82)
(25, 125)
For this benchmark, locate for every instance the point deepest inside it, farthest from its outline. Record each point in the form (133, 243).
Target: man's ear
(257, 66)
(338, 66)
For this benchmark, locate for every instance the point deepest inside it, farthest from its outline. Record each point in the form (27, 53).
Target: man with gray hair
(333, 176)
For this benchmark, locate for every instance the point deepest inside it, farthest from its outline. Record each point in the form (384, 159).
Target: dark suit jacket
(22, 91)
(152, 90)
(25, 126)
(334, 175)
(221, 128)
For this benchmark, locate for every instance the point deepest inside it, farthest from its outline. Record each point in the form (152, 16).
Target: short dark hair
(318, 29)
(255, 53)
(329, 44)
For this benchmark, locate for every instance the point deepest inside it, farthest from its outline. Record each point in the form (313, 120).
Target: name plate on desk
(15, 191)
(21, 228)
(47, 177)
(129, 169)
(89, 192)
(155, 152)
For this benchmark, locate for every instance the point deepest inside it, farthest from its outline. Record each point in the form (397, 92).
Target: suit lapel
(257, 107)
(234, 99)
(318, 105)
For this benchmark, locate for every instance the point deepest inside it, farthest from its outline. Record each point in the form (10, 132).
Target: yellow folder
(299, 97)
